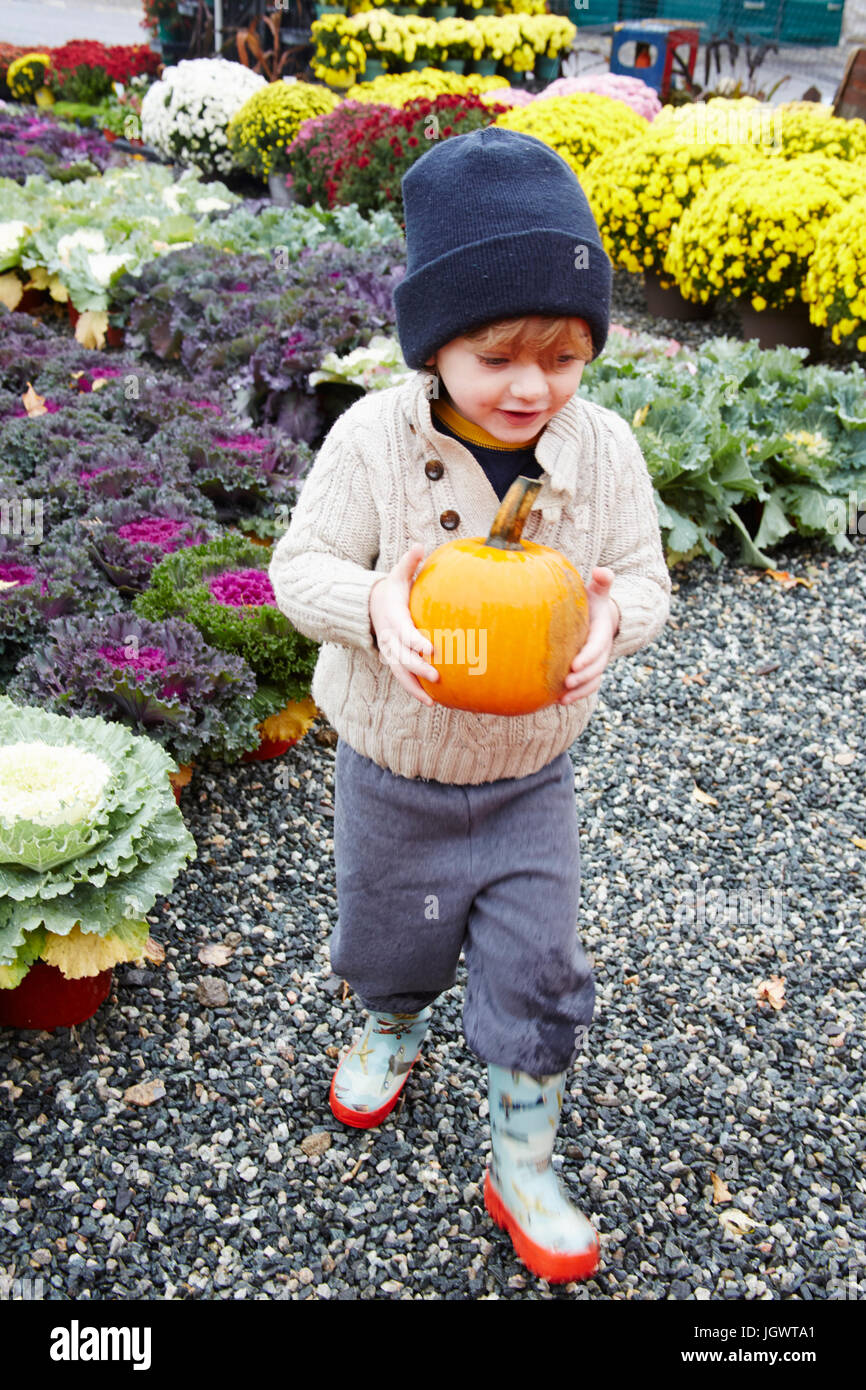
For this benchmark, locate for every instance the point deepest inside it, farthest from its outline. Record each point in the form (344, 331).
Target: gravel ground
(239, 1183)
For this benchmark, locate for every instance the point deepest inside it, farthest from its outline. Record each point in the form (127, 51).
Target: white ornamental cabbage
(50, 785)
(90, 838)
(185, 115)
(12, 237)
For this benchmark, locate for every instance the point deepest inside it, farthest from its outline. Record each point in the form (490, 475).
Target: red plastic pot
(269, 748)
(46, 999)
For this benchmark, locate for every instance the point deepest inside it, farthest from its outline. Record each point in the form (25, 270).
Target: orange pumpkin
(506, 617)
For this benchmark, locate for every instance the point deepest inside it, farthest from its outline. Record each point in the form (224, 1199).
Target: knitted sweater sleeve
(632, 548)
(322, 568)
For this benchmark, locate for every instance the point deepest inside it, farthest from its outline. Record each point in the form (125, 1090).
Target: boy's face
(511, 396)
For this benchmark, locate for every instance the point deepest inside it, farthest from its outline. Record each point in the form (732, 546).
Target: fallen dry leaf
(787, 580)
(154, 951)
(720, 1189)
(703, 797)
(773, 990)
(630, 980)
(752, 578)
(91, 328)
(215, 953)
(34, 404)
(11, 290)
(145, 1093)
(861, 844)
(694, 678)
(735, 1222)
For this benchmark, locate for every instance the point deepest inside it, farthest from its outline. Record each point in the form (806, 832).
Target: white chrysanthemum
(197, 99)
(50, 785)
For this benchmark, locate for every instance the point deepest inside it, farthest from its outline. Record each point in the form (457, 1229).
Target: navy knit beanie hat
(497, 226)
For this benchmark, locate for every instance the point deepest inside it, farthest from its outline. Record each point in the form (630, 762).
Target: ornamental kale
(39, 583)
(740, 442)
(161, 679)
(129, 537)
(48, 148)
(282, 658)
(79, 482)
(268, 325)
(242, 472)
(90, 839)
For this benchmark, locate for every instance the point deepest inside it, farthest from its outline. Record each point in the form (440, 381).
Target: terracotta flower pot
(670, 303)
(46, 999)
(789, 327)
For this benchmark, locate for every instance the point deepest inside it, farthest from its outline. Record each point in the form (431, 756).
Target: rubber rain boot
(521, 1190)
(369, 1079)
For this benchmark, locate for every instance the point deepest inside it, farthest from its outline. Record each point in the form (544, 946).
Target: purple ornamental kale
(160, 678)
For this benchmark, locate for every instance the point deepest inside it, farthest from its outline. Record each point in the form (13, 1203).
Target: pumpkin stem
(510, 520)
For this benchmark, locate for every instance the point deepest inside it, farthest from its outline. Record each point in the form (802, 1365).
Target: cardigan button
(449, 520)
(433, 468)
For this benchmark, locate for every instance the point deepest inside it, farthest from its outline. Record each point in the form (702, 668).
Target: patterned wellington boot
(521, 1189)
(370, 1077)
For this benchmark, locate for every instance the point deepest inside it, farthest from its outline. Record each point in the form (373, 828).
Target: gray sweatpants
(425, 869)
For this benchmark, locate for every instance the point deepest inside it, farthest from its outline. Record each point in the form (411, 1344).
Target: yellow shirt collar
(472, 433)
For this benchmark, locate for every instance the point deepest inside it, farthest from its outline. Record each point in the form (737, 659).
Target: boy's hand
(398, 638)
(587, 668)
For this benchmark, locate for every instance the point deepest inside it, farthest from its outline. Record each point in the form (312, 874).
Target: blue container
(715, 15)
(591, 12)
(760, 18)
(628, 34)
(812, 21)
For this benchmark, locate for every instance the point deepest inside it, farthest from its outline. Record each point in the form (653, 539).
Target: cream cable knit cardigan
(366, 500)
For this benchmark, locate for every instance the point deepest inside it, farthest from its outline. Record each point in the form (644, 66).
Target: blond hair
(544, 335)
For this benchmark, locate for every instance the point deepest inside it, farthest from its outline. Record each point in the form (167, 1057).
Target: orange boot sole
(364, 1119)
(547, 1264)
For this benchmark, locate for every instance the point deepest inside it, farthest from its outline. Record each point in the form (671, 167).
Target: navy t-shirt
(501, 462)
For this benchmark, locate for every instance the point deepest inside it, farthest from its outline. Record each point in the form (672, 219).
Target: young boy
(453, 830)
